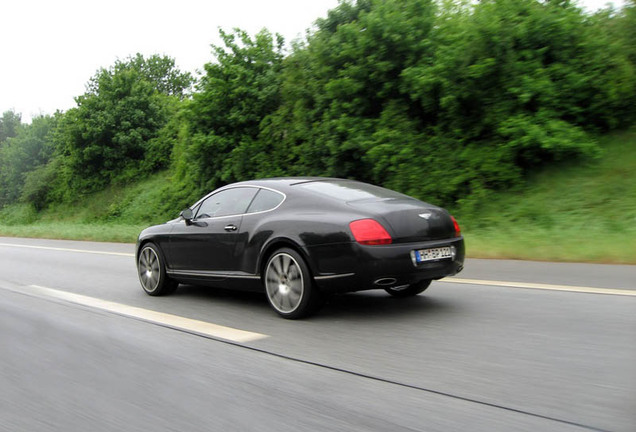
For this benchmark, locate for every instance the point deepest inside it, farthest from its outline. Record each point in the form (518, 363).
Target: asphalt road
(505, 346)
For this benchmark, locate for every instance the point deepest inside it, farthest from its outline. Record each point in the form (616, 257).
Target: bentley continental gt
(300, 240)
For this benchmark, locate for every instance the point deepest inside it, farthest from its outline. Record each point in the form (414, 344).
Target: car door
(208, 242)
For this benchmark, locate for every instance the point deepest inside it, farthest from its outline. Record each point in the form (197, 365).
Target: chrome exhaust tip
(385, 281)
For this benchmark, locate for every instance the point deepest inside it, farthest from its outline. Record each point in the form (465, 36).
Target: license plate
(434, 254)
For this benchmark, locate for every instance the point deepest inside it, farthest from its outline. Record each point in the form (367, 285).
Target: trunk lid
(408, 220)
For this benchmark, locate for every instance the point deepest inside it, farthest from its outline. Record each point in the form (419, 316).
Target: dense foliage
(449, 101)
(23, 157)
(220, 143)
(443, 100)
(112, 133)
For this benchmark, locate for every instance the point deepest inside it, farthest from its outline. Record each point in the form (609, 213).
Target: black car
(300, 239)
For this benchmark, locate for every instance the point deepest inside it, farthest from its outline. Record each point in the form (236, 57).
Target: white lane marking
(67, 249)
(175, 321)
(528, 285)
(549, 287)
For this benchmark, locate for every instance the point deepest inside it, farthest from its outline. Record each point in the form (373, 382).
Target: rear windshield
(347, 190)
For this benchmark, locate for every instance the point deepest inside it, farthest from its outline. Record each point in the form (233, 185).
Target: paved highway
(506, 345)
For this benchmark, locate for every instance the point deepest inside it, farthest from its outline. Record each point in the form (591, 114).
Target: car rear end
(370, 263)
(395, 240)
(435, 252)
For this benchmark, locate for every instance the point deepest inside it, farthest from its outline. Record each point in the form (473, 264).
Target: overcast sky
(50, 48)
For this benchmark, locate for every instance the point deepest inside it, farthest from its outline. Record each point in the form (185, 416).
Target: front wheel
(289, 286)
(409, 290)
(152, 272)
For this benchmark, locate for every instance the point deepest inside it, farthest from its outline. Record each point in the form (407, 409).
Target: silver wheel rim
(149, 270)
(284, 283)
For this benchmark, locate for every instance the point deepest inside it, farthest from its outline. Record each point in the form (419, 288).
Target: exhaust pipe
(385, 281)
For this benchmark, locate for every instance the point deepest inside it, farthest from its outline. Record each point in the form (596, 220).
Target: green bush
(18, 214)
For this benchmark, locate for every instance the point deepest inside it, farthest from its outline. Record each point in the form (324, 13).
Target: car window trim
(223, 190)
(198, 203)
(268, 210)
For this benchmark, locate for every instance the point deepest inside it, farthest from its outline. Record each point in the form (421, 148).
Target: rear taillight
(458, 230)
(369, 232)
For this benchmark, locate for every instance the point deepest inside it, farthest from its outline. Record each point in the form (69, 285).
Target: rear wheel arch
(277, 244)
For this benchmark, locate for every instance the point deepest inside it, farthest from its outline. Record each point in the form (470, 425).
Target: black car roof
(285, 182)
(325, 187)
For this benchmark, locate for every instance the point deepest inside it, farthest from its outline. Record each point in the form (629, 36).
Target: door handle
(230, 228)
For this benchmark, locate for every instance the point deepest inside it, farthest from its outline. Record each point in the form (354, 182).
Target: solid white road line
(539, 286)
(174, 321)
(67, 249)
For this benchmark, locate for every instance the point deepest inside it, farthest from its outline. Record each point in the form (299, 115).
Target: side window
(228, 202)
(265, 200)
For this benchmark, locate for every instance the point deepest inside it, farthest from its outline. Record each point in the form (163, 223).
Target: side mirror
(187, 216)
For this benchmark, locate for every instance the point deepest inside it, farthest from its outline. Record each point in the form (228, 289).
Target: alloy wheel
(149, 269)
(284, 283)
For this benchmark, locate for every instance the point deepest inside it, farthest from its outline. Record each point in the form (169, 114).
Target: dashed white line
(165, 319)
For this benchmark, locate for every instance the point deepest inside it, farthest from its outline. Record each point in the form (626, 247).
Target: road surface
(504, 346)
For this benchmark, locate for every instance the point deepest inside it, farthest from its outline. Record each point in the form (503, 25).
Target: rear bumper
(348, 267)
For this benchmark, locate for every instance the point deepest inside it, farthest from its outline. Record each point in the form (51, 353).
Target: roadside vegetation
(583, 212)
(514, 114)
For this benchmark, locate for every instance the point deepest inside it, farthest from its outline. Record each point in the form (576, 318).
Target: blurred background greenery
(516, 115)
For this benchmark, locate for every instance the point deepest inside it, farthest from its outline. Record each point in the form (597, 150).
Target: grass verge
(572, 212)
(547, 245)
(75, 231)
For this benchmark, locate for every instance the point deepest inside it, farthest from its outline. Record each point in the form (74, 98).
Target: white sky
(51, 48)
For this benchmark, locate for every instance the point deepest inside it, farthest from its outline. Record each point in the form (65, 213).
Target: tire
(289, 286)
(152, 272)
(409, 290)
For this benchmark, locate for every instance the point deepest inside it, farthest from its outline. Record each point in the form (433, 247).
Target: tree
(222, 122)
(108, 136)
(30, 149)
(446, 99)
(9, 125)
(160, 71)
